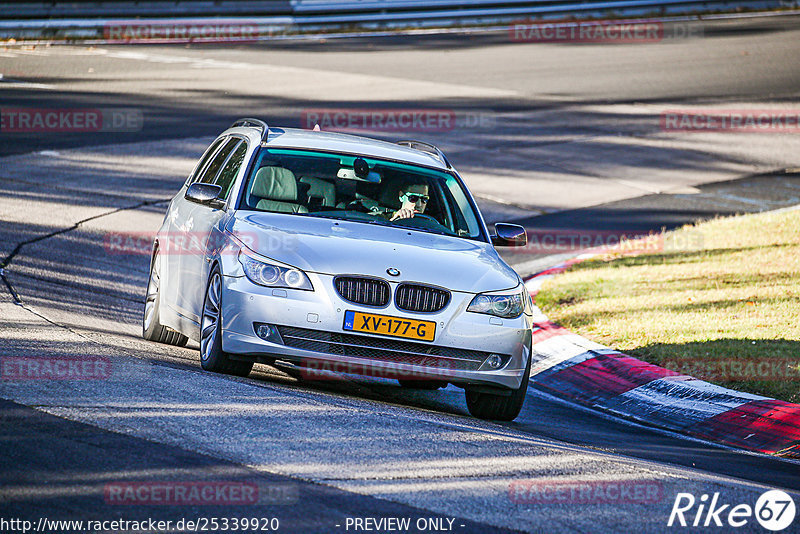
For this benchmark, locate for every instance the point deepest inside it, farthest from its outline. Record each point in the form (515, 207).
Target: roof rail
(428, 148)
(253, 123)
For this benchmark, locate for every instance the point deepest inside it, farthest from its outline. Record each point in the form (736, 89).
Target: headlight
(507, 306)
(271, 275)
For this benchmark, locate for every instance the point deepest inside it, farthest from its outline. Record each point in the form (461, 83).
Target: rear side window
(213, 168)
(206, 156)
(228, 173)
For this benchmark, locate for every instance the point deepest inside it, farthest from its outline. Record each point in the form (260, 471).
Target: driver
(414, 199)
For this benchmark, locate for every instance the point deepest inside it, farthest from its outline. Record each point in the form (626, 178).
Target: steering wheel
(358, 205)
(420, 220)
(426, 217)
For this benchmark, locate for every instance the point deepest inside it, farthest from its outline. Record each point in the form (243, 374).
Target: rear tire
(212, 357)
(499, 407)
(152, 329)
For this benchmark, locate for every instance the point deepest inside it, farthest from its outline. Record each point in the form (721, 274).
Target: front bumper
(312, 335)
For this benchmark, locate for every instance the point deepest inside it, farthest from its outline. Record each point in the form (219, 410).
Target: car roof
(344, 143)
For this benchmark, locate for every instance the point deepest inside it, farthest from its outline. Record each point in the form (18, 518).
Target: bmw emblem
(391, 271)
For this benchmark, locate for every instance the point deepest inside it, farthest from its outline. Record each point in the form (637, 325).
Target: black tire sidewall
(480, 403)
(216, 357)
(155, 332)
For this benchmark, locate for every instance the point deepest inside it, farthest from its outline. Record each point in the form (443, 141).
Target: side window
(213, 168)
(228, 173)
(206, 156)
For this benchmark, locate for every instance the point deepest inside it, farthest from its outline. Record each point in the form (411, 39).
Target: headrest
(275, 183)
(321, 189)
(390, 193)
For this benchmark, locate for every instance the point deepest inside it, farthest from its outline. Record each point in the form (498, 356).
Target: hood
(329, 246)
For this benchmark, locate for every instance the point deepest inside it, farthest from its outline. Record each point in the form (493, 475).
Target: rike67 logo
(774, 510)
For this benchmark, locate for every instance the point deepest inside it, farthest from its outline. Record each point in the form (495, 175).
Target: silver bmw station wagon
(324, 252)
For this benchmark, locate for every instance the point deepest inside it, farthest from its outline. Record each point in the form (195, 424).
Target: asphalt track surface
(572, 124)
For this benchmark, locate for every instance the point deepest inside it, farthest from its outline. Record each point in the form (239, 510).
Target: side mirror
(206, 194)
(509, 235)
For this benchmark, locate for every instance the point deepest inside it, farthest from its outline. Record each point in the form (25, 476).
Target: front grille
(375, 348)
(366, 291)
(419, 298)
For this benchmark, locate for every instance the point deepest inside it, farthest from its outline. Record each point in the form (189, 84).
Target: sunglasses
(416, 198)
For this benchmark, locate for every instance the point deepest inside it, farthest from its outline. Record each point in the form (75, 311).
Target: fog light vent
(493, 362)
(267, 332)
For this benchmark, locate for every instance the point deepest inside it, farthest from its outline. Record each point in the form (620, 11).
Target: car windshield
(359, 189)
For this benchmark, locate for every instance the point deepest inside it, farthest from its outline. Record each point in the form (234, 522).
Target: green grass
(731, 297)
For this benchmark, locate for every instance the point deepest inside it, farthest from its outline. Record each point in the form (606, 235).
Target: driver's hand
(402, 213)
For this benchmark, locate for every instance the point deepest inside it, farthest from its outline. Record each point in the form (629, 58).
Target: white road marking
(35, 51)
(18, 84)
(340, 78)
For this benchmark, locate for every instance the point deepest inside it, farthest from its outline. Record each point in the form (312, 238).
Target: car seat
(321, 192)
(390, 193)
(276, 190)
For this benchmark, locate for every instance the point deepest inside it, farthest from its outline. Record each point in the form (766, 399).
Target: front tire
(499, 407)
(212, 357)
(152, 329)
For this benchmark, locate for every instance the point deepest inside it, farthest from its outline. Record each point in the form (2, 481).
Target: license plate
(389, 326)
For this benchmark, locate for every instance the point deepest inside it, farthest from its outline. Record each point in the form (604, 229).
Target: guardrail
(90, 20)
(487, 11)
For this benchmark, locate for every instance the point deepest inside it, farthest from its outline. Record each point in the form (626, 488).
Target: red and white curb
(571, 367)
